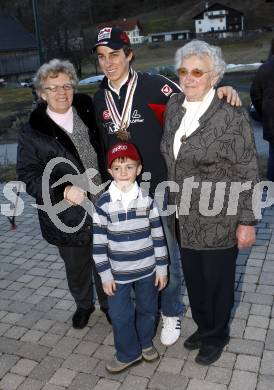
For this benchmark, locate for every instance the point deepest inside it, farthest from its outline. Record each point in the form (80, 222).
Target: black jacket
(42, 140)
(146, 127)
(262, 96)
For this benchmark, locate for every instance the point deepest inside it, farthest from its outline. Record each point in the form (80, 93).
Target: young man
(131, 105)
(130, 254)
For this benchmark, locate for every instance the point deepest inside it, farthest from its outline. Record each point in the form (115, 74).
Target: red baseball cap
(122, 149)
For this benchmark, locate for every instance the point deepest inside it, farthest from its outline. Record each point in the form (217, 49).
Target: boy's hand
(231, 94)
(109, 287)
(160, 281)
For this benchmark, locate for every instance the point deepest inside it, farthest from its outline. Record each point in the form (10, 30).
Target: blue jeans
(133, 325)
(170, 298)
(270, 163)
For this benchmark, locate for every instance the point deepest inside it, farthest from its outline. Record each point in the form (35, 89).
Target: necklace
(121, 122)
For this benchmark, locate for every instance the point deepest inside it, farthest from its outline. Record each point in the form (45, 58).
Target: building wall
(210, 24)
(20, 62)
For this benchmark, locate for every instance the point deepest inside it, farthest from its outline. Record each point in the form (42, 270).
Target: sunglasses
(196, 73)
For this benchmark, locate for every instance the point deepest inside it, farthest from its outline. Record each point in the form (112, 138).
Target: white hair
(53, 68)
(201, 49)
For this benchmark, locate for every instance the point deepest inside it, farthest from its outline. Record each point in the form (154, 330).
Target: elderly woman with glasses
(63, 127)
(209, 150)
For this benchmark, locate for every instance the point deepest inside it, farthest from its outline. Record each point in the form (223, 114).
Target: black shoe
(193, 341)
(105, 311)
(81, 316)
(208, 354)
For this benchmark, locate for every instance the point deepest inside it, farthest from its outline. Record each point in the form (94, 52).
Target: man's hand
(74, 195)
(160, 281)
(245, 236)
(231, 94)
(109, 287)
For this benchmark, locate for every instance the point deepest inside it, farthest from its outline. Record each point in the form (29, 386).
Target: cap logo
(118, 148)
(124, 37)
(105, 33)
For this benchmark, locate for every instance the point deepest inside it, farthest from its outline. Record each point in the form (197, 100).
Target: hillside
(154, 15)
(257, 14)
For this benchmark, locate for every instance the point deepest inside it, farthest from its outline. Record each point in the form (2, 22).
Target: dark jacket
(146, 127)
(262, 96)
(42, 140)
(221, 149)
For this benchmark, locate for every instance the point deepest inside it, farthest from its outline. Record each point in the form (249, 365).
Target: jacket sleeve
(159, 242)
(245, 165)
(100, 245)
(256, 92)
(29, 166)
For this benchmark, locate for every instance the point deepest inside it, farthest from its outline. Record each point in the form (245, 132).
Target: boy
(130, 253)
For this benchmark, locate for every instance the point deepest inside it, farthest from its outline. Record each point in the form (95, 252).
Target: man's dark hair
(127, 51)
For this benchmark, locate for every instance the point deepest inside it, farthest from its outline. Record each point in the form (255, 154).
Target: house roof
(14, 36)
(216, 7)
(125, 24)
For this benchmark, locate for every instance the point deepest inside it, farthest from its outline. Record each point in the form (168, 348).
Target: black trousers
(210, 278)
(80, 268)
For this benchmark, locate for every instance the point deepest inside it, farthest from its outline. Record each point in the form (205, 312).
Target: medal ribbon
(122, 121)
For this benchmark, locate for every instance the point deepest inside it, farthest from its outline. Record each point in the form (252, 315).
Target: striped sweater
(128, 244)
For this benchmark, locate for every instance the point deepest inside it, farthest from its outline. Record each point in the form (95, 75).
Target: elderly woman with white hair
(209, 150)
(63, 126)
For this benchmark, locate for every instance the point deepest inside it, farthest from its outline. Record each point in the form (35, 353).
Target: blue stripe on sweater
(133, 235)
(131, 255)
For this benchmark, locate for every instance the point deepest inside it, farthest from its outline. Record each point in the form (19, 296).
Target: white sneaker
(171, 330)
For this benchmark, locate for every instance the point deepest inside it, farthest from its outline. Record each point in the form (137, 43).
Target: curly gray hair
(52, 69)
(201, 49)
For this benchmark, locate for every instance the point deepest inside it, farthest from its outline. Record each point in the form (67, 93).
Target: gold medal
(122, 135)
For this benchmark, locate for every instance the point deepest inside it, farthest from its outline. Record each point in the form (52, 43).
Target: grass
(13, 100)
(7, 172)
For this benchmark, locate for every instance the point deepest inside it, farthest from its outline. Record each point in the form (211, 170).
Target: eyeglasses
(55, 88)
(196, 73)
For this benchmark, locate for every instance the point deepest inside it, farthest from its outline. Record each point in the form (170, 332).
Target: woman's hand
(109, 287)
(74, 195)
(231, 94)
(245, 236)
(161, 282)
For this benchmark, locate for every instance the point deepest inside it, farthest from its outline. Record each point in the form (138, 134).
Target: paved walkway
(40, 350)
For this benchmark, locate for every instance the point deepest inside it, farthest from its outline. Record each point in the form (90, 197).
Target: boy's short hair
(122, 150)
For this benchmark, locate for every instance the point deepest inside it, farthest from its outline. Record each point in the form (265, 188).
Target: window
(199, 21)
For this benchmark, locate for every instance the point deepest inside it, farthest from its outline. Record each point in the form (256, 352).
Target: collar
(117, 195)
(206, 99)
(106, 85)
(125, 81)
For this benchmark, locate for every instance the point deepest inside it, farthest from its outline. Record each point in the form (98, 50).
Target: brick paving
(40, 350)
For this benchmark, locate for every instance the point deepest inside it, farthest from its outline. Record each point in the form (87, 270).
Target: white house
(130, 25)
(219, 20)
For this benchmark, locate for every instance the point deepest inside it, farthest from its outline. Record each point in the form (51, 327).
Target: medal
(122, 122)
